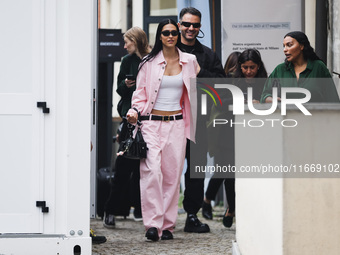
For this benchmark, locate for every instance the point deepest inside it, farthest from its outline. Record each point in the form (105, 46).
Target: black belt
(162, 118)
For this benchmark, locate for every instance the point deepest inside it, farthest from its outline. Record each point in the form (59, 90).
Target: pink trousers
(160, 173)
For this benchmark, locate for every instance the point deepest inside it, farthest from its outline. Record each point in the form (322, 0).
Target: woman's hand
(130, 83)
(132, 116)
(270, 99)
(198, 69)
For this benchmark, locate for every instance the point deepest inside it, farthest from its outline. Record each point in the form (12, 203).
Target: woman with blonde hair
(136, 44)
(126, 179)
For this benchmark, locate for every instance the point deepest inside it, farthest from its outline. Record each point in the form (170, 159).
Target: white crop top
(170, 93)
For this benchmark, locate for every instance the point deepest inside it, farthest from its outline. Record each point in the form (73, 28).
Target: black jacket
(208, 60)
(129, 65)
(211, 67)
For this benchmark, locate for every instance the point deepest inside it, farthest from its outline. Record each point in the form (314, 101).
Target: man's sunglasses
(167, 32)
(188, 24)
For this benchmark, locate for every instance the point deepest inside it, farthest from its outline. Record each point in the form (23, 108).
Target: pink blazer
(149, 79)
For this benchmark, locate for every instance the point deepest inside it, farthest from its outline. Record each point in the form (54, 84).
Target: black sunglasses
(188, 24)
(167, 32)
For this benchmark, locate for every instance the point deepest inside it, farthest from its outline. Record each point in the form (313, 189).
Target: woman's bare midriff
(165, 113)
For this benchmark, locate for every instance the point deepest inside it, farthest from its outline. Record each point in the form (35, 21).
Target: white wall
(261, 25)
(334, 40)
(310, 8)
(137, 13)
(259, 202)
(295, 214)
(113, 14)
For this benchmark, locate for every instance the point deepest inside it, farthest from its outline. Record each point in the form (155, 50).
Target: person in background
(215, 183)
(301, 68)
(210, 67)
(137, 46)
(168, 115)
(250, 66)
(231, 64)
(250, 72)
(127, 170)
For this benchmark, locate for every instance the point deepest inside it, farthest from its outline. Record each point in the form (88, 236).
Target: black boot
(193, 224)
(167, 235)
(97, 239)
(152, 234)
(228, 218)
(207, 211)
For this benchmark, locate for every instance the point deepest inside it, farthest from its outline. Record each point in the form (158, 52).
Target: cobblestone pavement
(128, 238)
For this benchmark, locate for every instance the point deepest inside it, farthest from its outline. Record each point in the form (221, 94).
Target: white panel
(16, 38)
(77, 88)
(21, 121)
(262, 195)
(16, 104)
(16, 163)
(44, 245)
(18, 182)
(47, 155)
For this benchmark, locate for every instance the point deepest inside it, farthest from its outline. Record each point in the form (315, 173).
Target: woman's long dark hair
(308, 51)
(255, 56)
(158, 46)
(231, 64)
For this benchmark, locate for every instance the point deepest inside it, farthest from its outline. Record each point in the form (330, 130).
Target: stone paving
(128, 238)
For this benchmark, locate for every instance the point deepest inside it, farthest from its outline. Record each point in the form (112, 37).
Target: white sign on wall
(259, 24)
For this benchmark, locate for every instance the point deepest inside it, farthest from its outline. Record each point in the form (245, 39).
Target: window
(152, 33)
(154, 12)
(163, 8)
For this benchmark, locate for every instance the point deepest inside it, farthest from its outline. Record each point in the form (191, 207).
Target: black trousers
(196, 155)
(225, 156)
(125, 188)
(229, 187)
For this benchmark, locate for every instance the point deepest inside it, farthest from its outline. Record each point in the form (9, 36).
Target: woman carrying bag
(125, 183)
(166, 101)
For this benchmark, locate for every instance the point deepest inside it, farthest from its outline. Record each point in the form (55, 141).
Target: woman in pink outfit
(166, 101)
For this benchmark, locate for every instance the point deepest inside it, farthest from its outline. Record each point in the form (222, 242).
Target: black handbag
(105, 174)
(132, 147)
